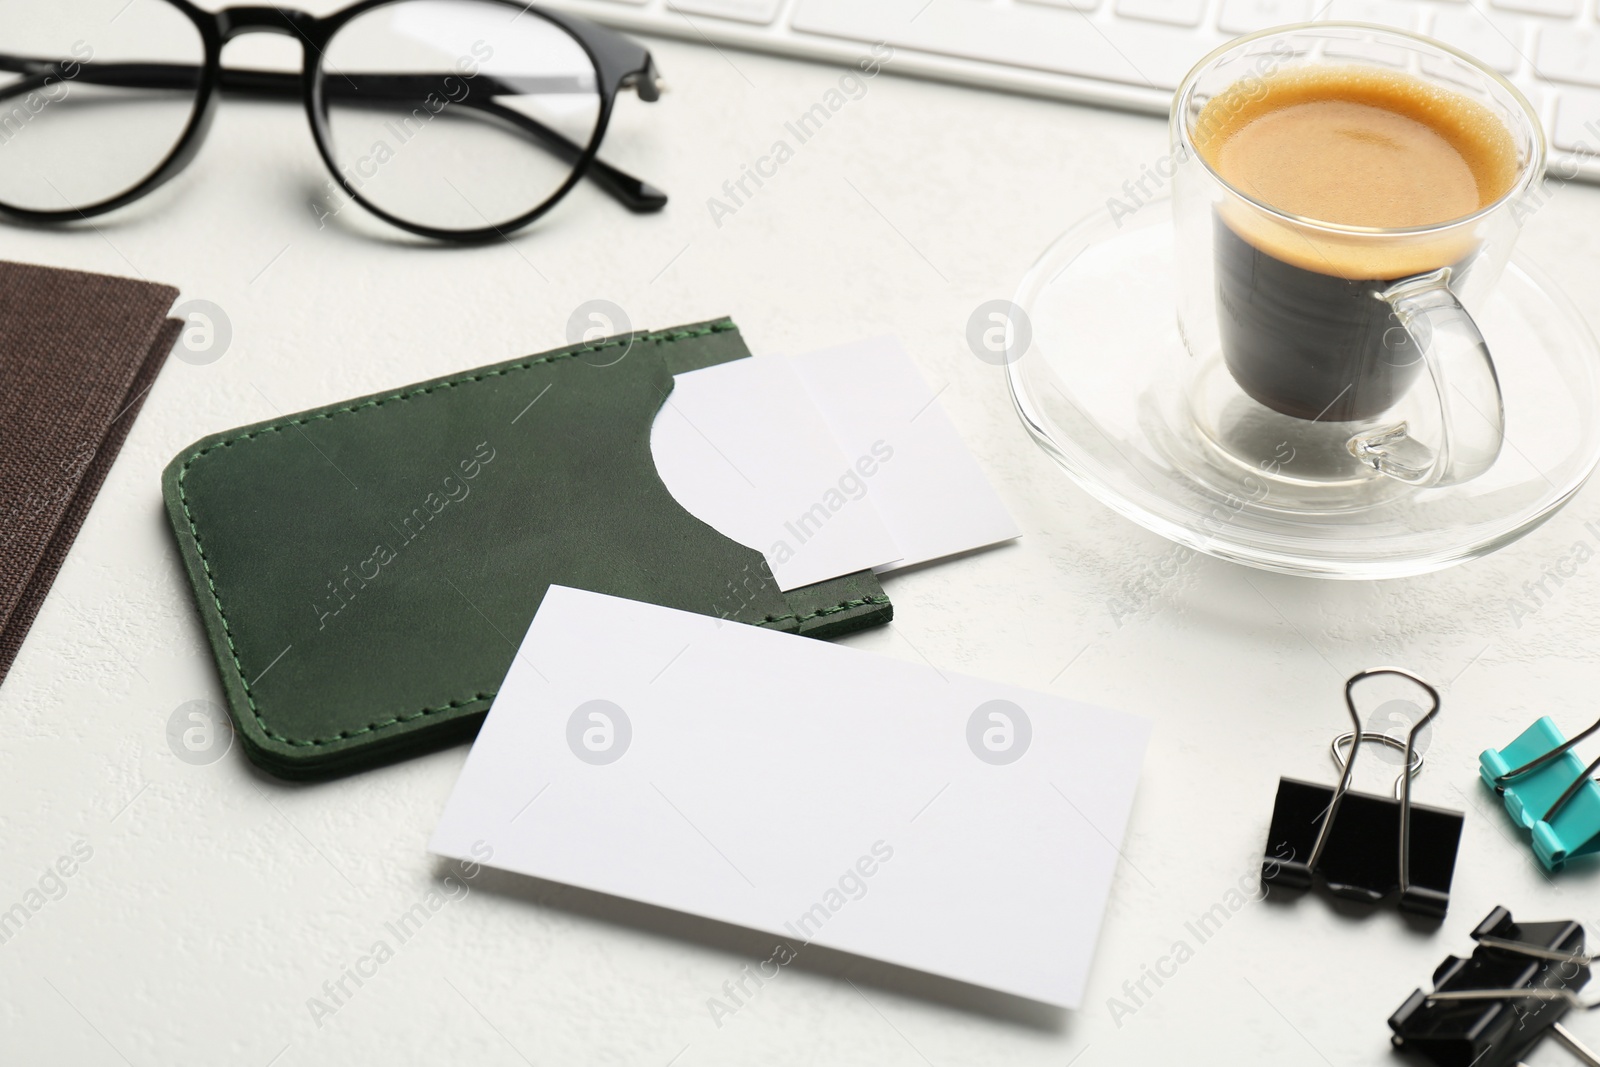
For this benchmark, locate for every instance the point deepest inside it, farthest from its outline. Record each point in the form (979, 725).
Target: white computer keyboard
(1133, 53)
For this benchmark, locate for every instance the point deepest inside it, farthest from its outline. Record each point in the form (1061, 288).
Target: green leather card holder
(366, 571)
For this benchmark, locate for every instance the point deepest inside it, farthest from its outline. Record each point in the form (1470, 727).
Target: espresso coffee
(1304, 329)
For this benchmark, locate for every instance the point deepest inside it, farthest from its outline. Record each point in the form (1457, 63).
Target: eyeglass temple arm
(637, 195)
(633, 193)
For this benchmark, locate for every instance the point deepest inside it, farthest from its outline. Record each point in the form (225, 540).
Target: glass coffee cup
(1344, 195)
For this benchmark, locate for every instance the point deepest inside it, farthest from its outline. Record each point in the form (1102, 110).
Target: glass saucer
(1094, 387)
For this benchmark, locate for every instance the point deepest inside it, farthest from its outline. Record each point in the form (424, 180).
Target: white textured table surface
(216, 902)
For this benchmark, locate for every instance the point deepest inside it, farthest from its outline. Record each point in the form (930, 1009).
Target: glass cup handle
(1472, 427)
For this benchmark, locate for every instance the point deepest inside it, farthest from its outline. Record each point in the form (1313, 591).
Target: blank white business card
(826, 463)
(742, 447)
(928, 489)
(820, 793)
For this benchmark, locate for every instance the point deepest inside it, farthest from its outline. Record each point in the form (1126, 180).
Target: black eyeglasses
(459, 120)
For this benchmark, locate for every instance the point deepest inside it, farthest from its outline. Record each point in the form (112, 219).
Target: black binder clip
(1359, 846)
(1489, 1009)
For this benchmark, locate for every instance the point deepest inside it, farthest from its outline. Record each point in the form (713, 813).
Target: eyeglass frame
(619, 62)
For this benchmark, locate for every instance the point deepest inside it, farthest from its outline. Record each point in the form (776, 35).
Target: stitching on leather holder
(664, 337)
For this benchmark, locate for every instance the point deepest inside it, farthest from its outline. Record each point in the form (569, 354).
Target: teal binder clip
(1548, 790)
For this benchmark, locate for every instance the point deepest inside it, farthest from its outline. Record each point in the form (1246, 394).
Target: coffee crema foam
(1356, 146)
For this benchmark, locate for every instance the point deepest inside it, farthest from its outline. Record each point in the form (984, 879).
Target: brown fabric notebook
(78, 353)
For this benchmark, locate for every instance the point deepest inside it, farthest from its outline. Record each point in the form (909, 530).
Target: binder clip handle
(1411, 899)
(1501, 781)
(1581, 1052)
(1350, 738)
(1577, 783)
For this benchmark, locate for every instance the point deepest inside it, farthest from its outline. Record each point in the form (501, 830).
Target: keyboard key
(1497, 41)
(1564, 9)
(1568, 54)
(1396, 13)
(1164, 53)
(1248, 16)
(1577, 126)
(760, 12)
(1177, 12)
(1360, 45)
(1081, 5)
(1369, 52)
(1023, 35)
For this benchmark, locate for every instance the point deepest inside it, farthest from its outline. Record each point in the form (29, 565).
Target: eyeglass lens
(455, 115)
